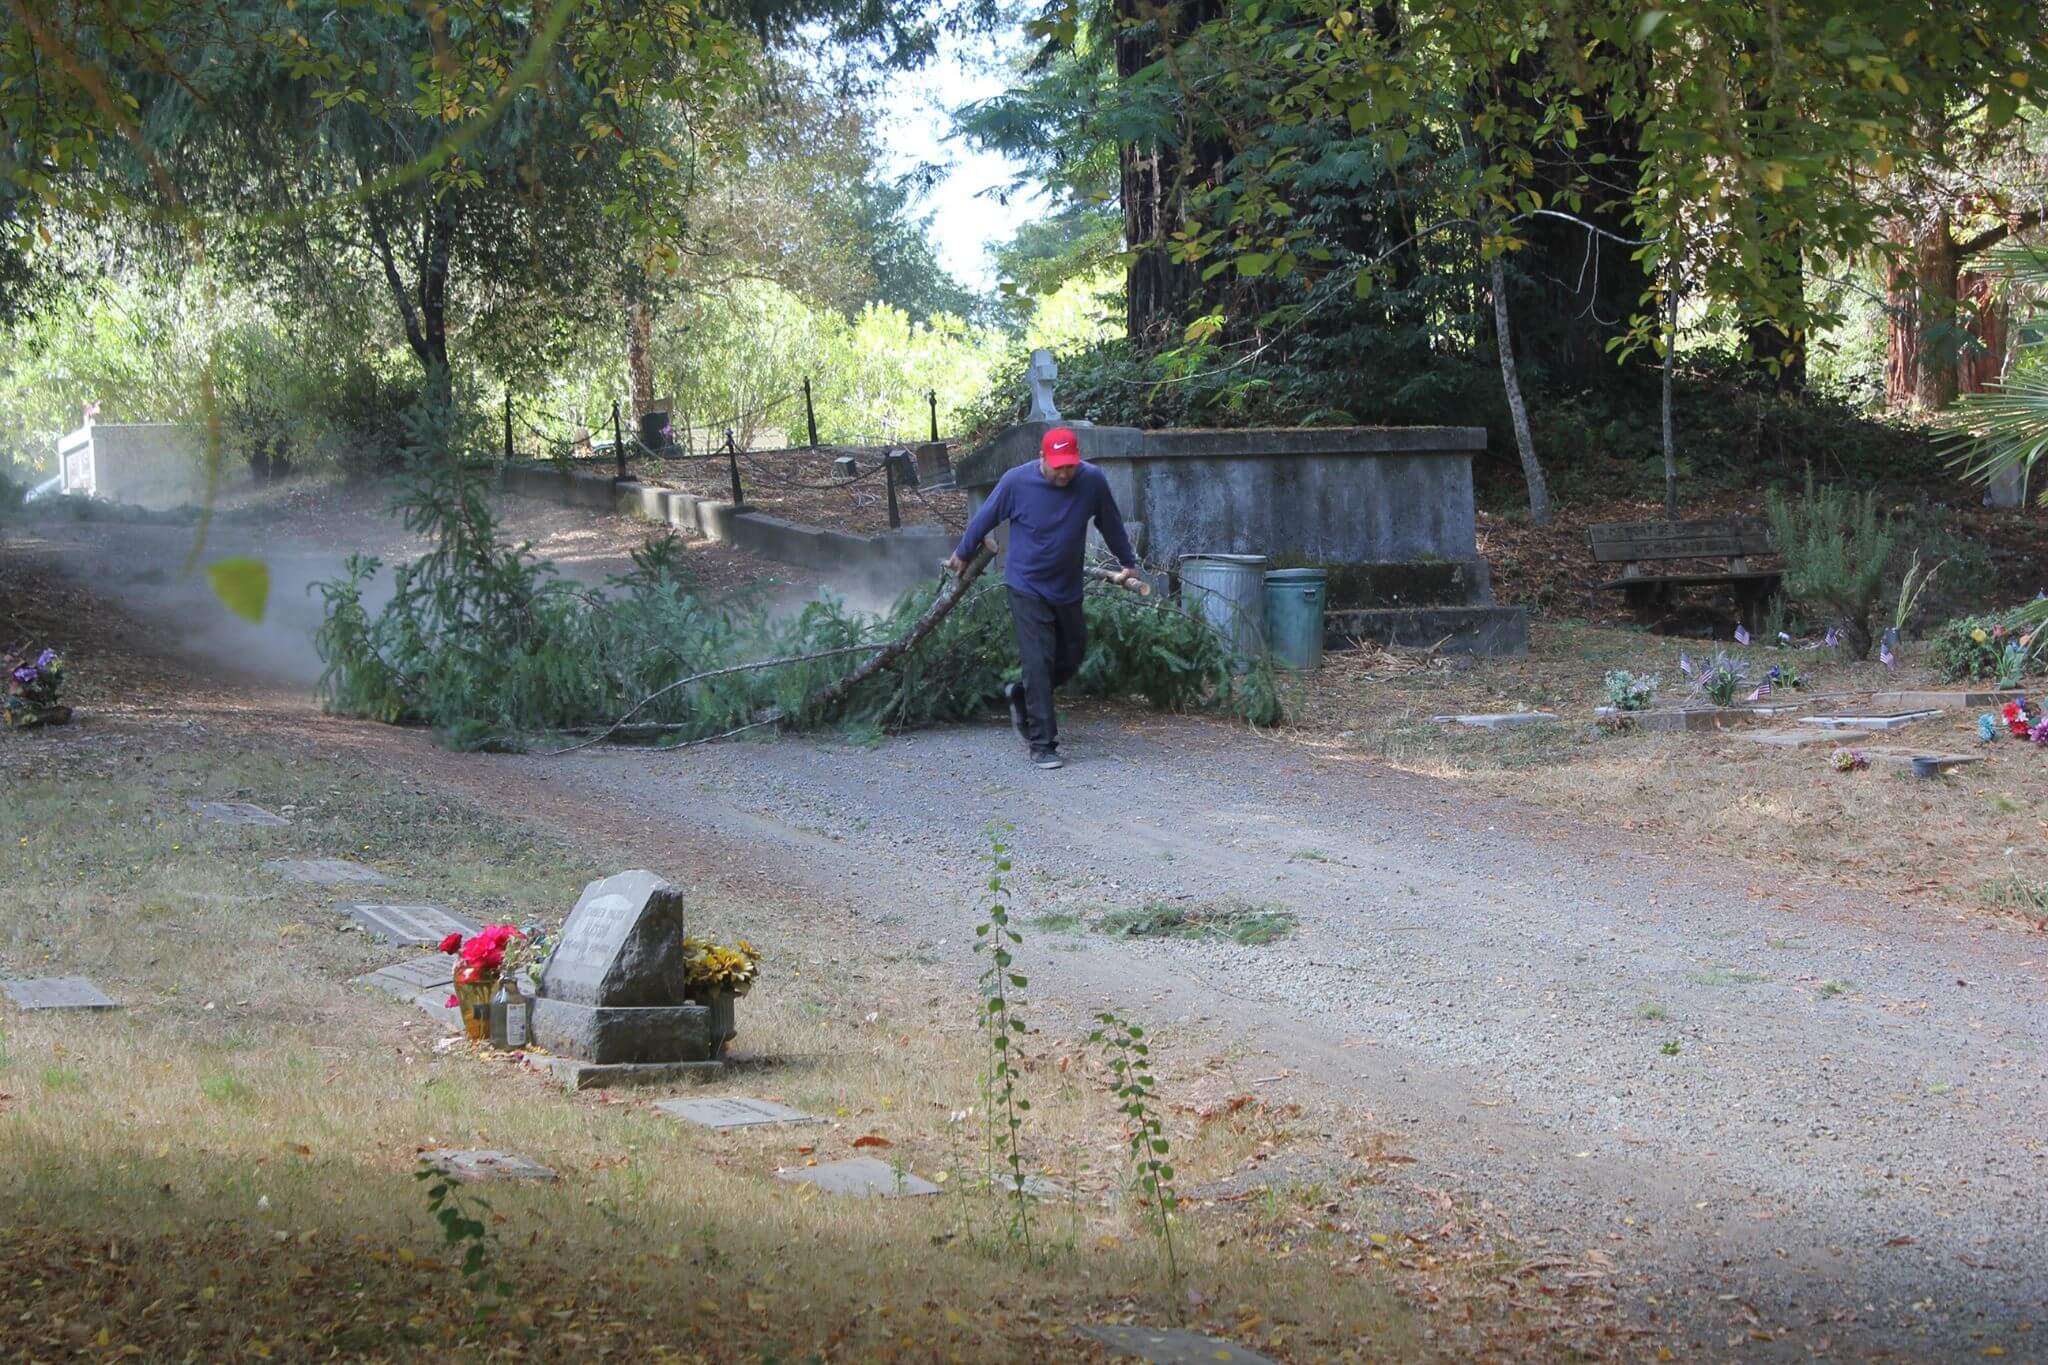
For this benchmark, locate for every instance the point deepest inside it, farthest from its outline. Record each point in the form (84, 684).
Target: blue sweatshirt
(1049, 529)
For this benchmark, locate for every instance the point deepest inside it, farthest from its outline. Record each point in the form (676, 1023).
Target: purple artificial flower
(1833, 638)
(26, 674)
(46, 658)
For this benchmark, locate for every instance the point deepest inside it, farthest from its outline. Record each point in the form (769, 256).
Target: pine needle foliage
(481, 641)
(1836, 546)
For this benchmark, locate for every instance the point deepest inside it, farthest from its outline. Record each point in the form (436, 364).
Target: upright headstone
(613, 990)
(1040, 376)
(934, 465)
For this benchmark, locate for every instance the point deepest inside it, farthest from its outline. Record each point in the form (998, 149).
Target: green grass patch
(1248, 925)
(1055, 922)
(224, 1088)
(1725, 976)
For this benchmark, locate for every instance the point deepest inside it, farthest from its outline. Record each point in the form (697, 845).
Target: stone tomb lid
(325, 871)
(57, 993)
(860, 1177)
(622, 946)
(736, 1111)
(238, 813)
(410, 923)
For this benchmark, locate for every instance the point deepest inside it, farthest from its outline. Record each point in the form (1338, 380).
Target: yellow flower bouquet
(712, 967)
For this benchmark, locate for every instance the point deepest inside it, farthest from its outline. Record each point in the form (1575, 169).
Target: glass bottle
(511, 1014)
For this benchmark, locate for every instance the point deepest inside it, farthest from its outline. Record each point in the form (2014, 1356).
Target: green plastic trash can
(1294, 617)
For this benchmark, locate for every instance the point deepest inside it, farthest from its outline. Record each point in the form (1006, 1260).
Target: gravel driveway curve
(1801, 1122)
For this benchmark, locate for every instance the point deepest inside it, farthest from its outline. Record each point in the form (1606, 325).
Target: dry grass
(224, 1169)
(1974, 839)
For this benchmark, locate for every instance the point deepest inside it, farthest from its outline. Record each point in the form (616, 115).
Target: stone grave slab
(423, 982)
(735, 1111)
(485, 1165)
(861, 1177)
(1172, 1346)
(238, 813)
(1882, 720)
(1907, 757)
(575, 1074)
(410, 923)
(57, 993)
(1506, 721)
(1946, 700)
(1799, 739)
(1680, 718)
(326, 871)
(614, 991)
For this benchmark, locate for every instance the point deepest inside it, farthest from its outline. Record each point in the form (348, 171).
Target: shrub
(1837, 548)
(1960, 655)
(1628, 691)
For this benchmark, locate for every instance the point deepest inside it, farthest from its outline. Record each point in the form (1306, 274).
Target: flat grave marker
(486, 1165)
(57, 993)
(326, 871)
(410, 923)
(860, 1177)
(1882, 720)
(735, 1111)
(1505, 721)
(238, 813)
(1799, 739)
(1172, 1346)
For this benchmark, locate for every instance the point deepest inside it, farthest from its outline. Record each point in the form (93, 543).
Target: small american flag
(1741, 635)
(1685, 664)
(1763, 689)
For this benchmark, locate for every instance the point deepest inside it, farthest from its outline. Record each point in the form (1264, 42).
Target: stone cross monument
(1040, 377)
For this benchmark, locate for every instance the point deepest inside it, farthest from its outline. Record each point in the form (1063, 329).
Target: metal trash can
(1294, 617)
(1228, 591)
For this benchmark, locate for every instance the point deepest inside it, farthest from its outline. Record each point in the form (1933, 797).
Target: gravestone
(486, 1165)
(1040, 376)
(1883, 720)
(326, 871)
(934, 465)
(410, 924)
(1497, 722)
(1172, 1346)
(423, 982)
(57, 993)
(862, 1177)
(613, 991)
(846, 467)
(734, 1112)
(238, 813)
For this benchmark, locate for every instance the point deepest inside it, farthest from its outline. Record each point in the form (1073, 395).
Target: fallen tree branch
(828, 697)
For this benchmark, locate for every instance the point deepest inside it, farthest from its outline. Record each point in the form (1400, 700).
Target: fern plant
(1836, 546)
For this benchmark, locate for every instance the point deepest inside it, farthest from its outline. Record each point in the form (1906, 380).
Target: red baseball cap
(1060, 448)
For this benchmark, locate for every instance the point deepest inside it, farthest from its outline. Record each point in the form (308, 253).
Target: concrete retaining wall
(886, 565)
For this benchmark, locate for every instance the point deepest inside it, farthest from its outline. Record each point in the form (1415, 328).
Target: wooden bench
(1637, 545)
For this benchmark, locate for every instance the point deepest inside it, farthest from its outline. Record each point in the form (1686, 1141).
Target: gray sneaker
(1048, 758)
(1014, 694)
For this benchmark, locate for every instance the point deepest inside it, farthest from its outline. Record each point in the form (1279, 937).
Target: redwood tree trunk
(1920, 301)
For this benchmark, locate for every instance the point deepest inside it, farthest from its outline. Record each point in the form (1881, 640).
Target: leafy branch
(1129, 1058)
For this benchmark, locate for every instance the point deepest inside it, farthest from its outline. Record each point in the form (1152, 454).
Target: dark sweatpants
(1051, 638)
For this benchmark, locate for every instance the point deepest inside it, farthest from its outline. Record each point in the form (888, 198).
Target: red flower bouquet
(481, 956)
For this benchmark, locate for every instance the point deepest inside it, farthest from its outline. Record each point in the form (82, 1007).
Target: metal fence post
(508, 421)
(618, 444)
(932, 396)
(889, 476)
(732, 455)
(810, 414)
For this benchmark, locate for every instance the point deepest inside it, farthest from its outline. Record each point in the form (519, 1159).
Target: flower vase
(473, 998)
(720, 1003)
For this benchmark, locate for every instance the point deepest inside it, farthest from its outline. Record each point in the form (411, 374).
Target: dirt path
(1842, 1152)
(1798, 1122)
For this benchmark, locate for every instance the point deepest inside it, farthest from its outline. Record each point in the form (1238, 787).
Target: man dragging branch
(1048, 506)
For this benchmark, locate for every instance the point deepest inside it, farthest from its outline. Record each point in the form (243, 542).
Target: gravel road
(1800, 1121)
